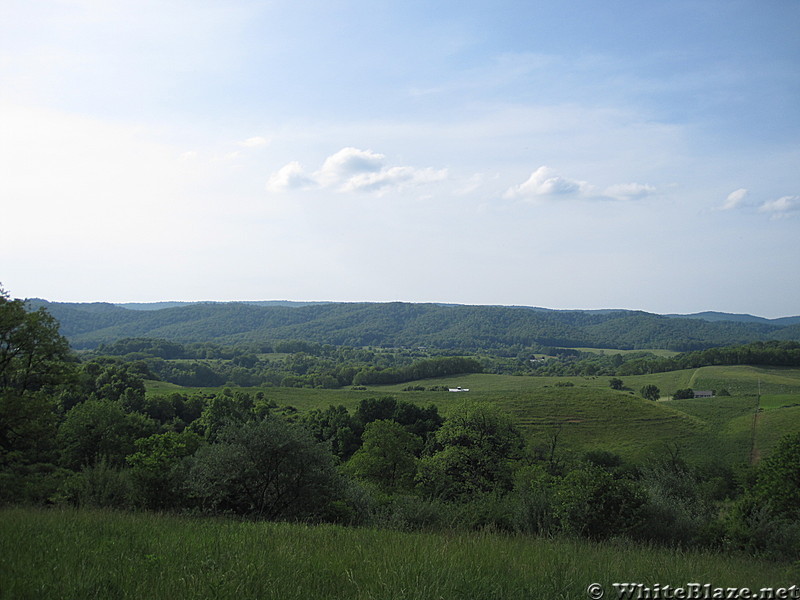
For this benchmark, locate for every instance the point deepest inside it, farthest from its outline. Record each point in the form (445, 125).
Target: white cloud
(629, 191)
(545, 182)
(351, 169)
(393, 177)
(781, 207)
(290, 177)
(254, 142)
(348, 163)
(734, 199)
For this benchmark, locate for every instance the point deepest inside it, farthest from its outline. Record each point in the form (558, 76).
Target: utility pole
(753, 451)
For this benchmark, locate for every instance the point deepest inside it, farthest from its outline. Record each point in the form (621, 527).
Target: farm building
(703, 393)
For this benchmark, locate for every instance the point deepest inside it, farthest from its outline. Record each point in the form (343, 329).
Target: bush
(591, 503)
(752, 526)
(99, 485)
(268, 469)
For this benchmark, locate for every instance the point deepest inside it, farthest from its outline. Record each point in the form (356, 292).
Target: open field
(586, 414)
(101, 554)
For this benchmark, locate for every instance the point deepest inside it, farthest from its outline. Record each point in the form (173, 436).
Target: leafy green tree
(478, 447)
(221, 410)
(616, 383)
(650, 392)
(157, 468)
(778, 483)
(34, 363)
(33, 354)
(387, 457)
(416, 419)
(269, 469)
(101, 429)
(683, 394)
(337, 427)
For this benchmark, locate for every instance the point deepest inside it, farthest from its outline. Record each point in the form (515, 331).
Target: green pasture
(48, 554)
(583, 413)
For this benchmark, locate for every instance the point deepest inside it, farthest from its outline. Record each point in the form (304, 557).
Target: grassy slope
(589, 415)
(96, 554)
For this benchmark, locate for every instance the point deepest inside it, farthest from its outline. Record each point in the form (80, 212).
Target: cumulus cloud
(629, 191)
(545, 182)
(781, 207)
(348, 163)
(734, 199)
(352, 169)
(290, 177)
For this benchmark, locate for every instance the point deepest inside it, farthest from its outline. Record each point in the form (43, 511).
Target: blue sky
(570, 154)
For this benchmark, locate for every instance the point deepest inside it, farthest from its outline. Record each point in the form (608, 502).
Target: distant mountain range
(738, 318)
(399, 324)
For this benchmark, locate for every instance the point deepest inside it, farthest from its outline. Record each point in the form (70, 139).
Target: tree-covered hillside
(399, 324)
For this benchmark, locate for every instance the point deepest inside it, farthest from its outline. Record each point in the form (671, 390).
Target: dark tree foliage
(34, 363)
(388, 456)
(650, 392)
(616, 383)
(33, 354)
(592, 503)
(778, 483)
(476, 448)
(423, 369)
(337, 427)
(158, 468)
(268, 469)
(101, 430)
(421, 421)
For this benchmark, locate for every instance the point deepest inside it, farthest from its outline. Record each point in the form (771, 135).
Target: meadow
(583, 413)
(67, 553)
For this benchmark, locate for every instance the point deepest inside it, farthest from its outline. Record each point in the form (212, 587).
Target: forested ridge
(398, 324)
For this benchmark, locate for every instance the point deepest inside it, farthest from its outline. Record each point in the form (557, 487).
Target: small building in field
(703, 393)
(458, 389)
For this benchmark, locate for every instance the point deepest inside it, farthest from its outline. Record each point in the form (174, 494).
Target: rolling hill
(399, 324)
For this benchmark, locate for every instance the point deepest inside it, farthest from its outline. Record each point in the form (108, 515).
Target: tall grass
(99, 554)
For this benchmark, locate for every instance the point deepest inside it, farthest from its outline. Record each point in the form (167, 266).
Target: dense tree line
(423, 369)
(770, 353)
(86, 434)
(494, 329)
(290, 363)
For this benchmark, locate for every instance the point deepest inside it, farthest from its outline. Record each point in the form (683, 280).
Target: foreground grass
(99, 554)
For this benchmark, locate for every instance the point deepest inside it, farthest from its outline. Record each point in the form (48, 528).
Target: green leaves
(650, 392)
(387, 457)
(270, 469)
(33, 354)
(478, 445)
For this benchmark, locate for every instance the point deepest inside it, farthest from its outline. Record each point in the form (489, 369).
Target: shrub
(268, 469)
